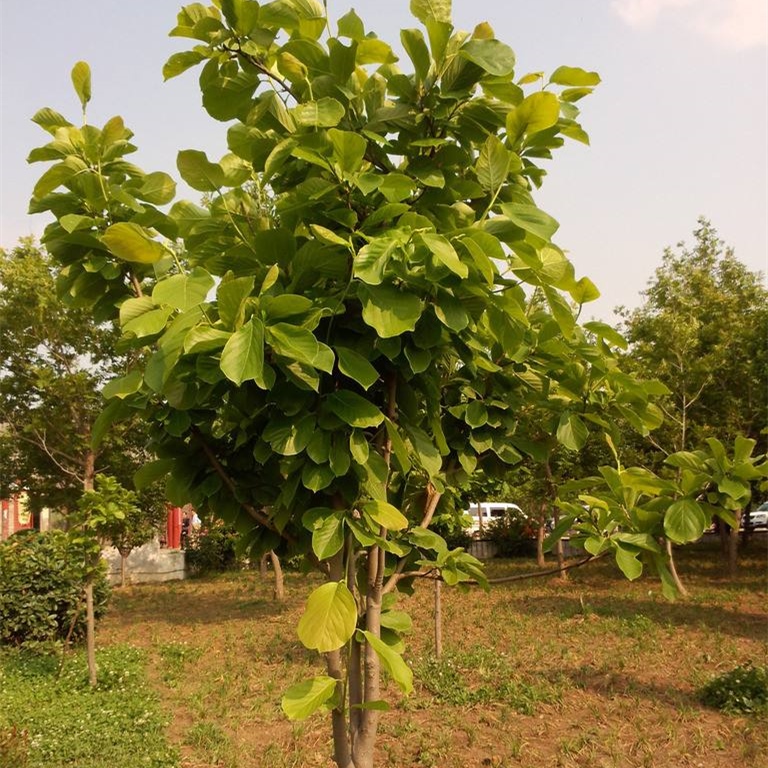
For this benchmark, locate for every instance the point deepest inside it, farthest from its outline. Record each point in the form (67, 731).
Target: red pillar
(173, 528)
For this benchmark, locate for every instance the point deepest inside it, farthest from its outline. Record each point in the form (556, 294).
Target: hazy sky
(679, 125)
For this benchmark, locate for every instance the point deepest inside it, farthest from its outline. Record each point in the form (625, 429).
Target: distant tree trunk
(438, 618)
(559, 550)
(673, 570)
(733, 546)
(263, 565)
(90, 637)
(541, 534)
(90, 617)
(279, 581)
(123, 563)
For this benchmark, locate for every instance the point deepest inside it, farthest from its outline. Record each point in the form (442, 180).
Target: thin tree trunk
(279, 580)
(733, 546)
(673, 570)
(90, 617)
(541, 535)
(263, 565)
(90, 634)
(123, 562)
(438, 618)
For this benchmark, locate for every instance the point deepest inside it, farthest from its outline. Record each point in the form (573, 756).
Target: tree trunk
(90, 638)
(279, 581)
(673, 570)
(263, 565)
(541, 535)
(733, 546)
(438, 618)
(90, 617)
(123, 563)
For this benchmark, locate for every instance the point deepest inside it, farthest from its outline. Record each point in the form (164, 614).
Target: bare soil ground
(593, 672)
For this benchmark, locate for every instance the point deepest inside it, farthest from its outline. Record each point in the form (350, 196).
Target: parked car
(758, 518)
(483, 513)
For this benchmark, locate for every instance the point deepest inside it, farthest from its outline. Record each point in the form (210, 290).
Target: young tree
(320, 379)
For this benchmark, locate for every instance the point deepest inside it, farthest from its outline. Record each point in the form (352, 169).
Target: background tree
(54, 362)
(703, 331)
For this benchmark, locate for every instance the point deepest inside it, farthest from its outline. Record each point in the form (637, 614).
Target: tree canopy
(320, 376)
(703, 331)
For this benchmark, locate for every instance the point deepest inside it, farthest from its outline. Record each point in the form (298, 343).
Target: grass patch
(482, 676)
(47, 721)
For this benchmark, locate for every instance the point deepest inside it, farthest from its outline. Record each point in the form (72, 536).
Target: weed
(211, 741)
(67, 723)
(743, 690)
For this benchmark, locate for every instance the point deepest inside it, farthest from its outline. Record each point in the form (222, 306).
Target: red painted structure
(14, 516)
(173, 528)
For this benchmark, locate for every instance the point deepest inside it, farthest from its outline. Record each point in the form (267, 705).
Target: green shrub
(41, 588)
(212, 550)
(513, 535)
(743, 690)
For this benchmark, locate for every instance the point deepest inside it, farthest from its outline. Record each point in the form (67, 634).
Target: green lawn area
(592, 672)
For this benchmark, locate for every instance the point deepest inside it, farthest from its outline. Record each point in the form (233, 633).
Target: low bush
(743, 690)
(513, 535)
(212, 550)
(41, 589)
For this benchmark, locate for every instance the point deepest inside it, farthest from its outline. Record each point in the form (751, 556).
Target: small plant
(743, 690)
(41, 589)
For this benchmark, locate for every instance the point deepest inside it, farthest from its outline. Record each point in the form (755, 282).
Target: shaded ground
(594, 673)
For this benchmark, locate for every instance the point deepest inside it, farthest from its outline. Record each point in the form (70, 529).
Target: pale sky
(679, 125)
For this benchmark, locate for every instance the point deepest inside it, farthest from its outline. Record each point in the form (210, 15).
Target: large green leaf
(685, 521)
(388, 310)
(493, 165)
(357, 367)
(416, 48)
(133, 243)
(289, 435)
(183, 291)
(81, 79)
(328, 535)
(627, 560)
(305, 698)
(445, 253)
(353, 409)
(199, 172)
(493, 56)
(537, 112)
(158, 188)
(531, 219)
(431, 10)
(572, 432)
(386, 515)
(324, 113)
(393, 662)
(348, 149)
(243, 356)
(329, 618)
(574, 76)
(300, 344)
(230, 296)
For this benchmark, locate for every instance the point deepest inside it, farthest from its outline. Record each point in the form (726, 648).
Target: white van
(483, 513)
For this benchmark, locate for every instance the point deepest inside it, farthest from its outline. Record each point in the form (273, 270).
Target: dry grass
(594, 672)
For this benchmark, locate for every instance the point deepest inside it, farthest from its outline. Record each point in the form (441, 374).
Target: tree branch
(255, 513)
